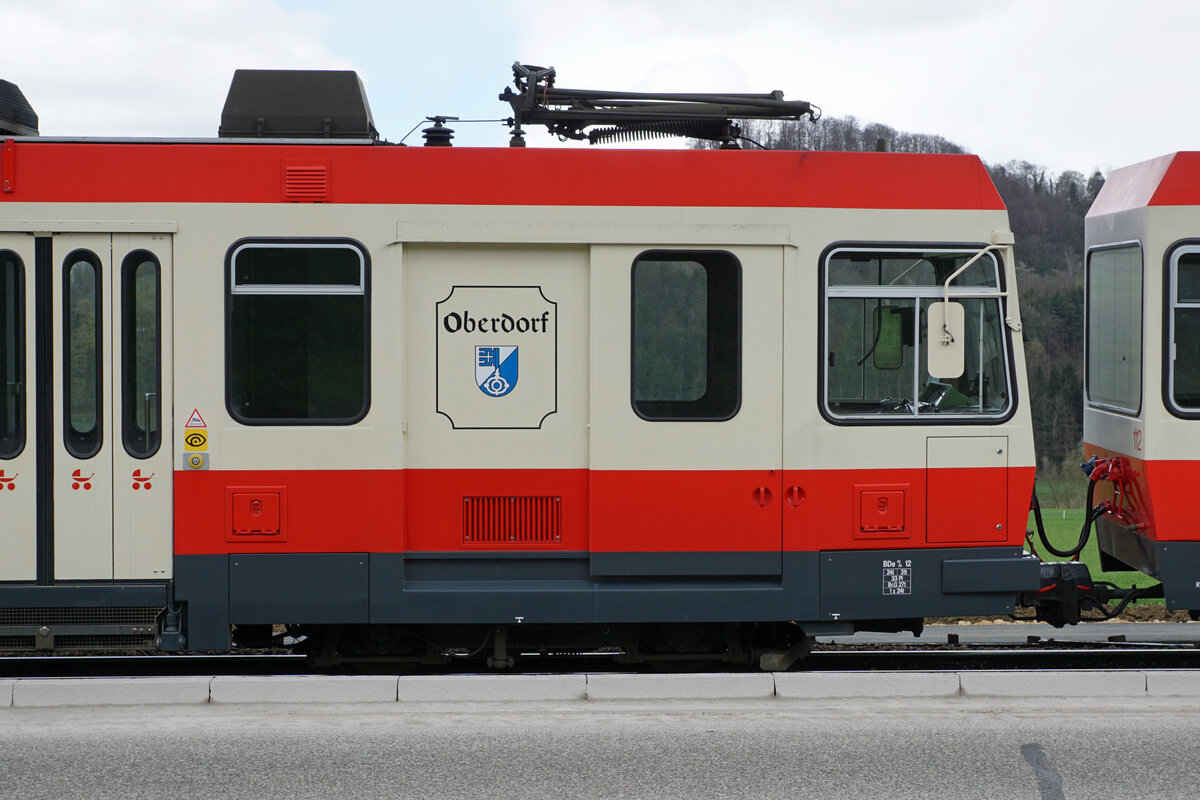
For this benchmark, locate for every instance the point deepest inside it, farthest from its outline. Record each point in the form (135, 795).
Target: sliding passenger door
(18, 459)
(686, 410)
(110, 450)
(142, 460)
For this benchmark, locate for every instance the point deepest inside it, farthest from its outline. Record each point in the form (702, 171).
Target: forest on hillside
(1046, 212)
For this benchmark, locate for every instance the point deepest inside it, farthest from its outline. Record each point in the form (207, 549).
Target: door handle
(762, 496)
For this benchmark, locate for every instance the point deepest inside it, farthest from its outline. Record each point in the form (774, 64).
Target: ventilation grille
(512, 521)
(131, 615)
(16, 642)
(306, 183)
(99, 641)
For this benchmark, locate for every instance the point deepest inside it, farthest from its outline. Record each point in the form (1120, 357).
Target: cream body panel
(1165, 436)
(965, 452)
(541, 423)
(207, 231)
(1108, 428)
(18, 484)
(620, 439)
(1154, 433)
(206, 235)
(811, 441)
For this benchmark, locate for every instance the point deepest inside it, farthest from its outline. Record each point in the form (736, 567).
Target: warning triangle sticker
(195, 420)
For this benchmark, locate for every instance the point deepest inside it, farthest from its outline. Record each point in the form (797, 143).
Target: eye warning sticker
(897, 576)
(195, 440)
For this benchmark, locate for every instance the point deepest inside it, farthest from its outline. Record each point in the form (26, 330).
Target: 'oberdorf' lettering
(455, 322)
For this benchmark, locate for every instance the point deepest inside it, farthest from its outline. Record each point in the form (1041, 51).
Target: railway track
(1108, 656)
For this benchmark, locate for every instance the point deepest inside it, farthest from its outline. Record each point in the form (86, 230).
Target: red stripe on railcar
(83, 172)
(1156, 497)
(327, 511)
(330, 511)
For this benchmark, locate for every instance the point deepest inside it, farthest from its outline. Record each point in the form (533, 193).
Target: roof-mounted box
(16, 115)
(297, 104)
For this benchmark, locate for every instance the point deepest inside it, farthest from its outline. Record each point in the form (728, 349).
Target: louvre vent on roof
(306, 182)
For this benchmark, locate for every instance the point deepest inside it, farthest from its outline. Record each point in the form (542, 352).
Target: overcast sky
(1069, 84)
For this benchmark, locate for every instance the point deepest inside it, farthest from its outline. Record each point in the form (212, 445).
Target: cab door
(685, 441)
(112, 462)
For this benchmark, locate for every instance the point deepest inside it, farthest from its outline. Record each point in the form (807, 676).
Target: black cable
(1085, 532)
(760, 145)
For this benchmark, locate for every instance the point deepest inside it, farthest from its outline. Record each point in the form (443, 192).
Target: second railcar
(1142, 398)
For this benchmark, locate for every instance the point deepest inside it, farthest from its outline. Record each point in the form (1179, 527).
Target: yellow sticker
(195, 440)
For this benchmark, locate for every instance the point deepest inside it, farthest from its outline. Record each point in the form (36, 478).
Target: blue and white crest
(496, 369)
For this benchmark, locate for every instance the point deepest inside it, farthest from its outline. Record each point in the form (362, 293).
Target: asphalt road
(748, 751)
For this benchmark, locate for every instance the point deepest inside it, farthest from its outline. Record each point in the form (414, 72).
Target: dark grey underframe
(1176, 564)
(560, 588)
(83, 595)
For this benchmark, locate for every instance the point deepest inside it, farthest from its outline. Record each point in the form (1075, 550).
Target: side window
(296, 341)
(82, 355)
(1183, 373)
(876, 303)
(686, 338)
(1114, 328)
(141, 351)
(12, 354)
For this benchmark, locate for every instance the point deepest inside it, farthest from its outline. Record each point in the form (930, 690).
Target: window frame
(130, 431)
(83, 444)
(329, 290)
(21, 428)
(1087, 326)
(1000, 292)
(668, 410)
(1170, 303)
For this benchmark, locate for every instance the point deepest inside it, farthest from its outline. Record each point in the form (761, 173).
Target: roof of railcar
(1170, 180)
(240, 171)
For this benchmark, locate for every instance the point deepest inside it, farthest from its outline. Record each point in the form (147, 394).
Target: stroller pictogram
(141, 481)
(78, 481)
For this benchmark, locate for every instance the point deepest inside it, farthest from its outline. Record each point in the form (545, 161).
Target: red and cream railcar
(335, 382)
(1142, 400)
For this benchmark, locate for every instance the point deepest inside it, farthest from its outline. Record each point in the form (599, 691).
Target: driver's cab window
(876, 331)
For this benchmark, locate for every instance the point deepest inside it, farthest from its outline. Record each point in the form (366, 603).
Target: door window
(82, 364)
(141, 365)
(12, 354)
(686, 359)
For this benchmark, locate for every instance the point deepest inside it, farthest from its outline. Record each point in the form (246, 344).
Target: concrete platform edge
(599, 689)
